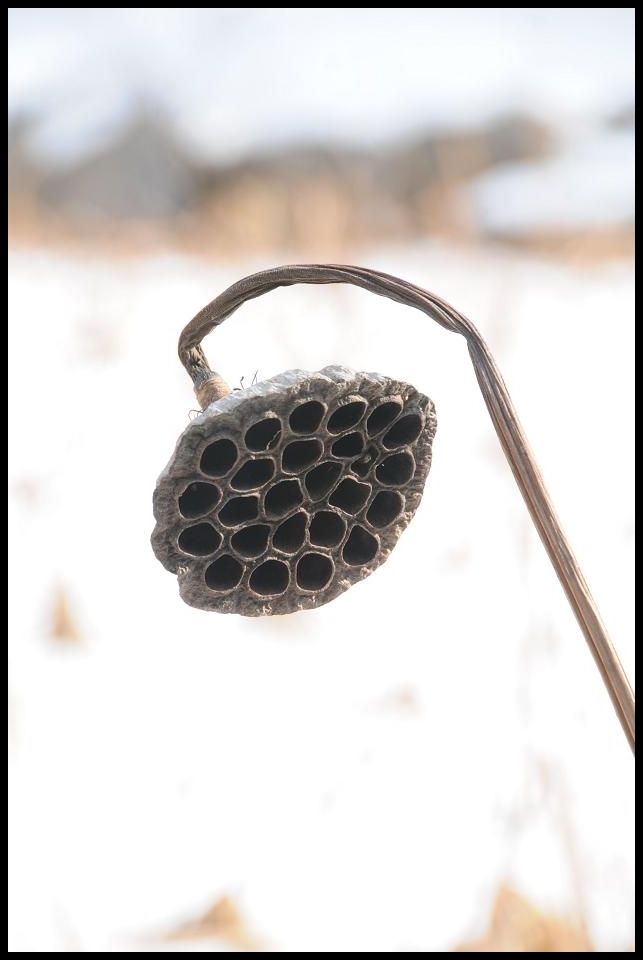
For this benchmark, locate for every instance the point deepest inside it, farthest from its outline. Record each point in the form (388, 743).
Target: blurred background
(430, 762)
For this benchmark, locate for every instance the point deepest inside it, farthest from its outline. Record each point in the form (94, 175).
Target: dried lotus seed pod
(281, 496)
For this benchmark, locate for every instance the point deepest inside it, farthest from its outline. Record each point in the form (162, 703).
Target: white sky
(238, 79)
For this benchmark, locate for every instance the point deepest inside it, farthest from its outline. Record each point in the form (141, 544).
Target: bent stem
(208, 387)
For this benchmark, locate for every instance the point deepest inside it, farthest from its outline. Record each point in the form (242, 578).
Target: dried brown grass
(62, 623)
(221, 921)
(516, 926)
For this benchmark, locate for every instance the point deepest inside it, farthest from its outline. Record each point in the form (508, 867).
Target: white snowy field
(364, 776)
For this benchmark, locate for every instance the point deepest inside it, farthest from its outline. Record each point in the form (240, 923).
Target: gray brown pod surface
(281, 496)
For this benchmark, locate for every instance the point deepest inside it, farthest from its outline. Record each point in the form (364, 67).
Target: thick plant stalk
(209, 386)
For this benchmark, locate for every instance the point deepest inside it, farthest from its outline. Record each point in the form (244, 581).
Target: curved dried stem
(504, 418)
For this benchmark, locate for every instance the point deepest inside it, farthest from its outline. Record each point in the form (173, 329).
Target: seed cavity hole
(200, 540)
(301, 454)
(289, 536)
(350, 495)
(224, 574)
(307, 416)
(385, 508)
(396, 469)
(218, 458)
(238, 510)
(406, 430)
(362, 466)
(263, 435)
(314, 571)
(360, 547)
(320, 480)
(198, 498)
(251, 541)
(270, 578)
(283, 497)
(326, 529)
(346, 416)
(348, 446)
(253, 474)
(382, 416)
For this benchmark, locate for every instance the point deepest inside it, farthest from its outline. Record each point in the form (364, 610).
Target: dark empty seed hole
(326, 529)
(382, 416)
(306, 417)
(263, 435)
(321, 479)
(283, 497)
(405, 430)
(348, 446)
(350, 495)
(364, 464)
(251, 541)
(384, 509)
(360, 547)
(218, 458)
(301, 454)
(270, 578)
(198, 498)
(346, 416)
(253, 474)
(224, 574)
(314, 571)
(199, 540)
(289, 536)
(238, 510)
(396, 469)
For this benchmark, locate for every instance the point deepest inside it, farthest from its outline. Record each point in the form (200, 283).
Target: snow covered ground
(361, 777)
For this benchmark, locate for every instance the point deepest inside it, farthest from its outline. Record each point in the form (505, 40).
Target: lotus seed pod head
(281, 496)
